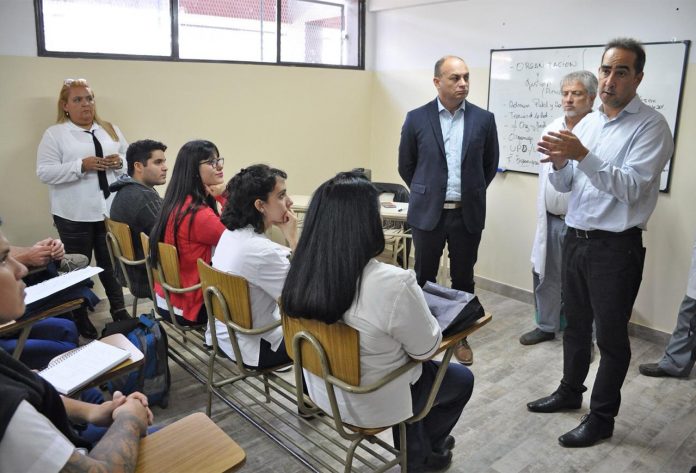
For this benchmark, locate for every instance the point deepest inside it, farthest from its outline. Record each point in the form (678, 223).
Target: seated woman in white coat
(257, 200)
(334, 276)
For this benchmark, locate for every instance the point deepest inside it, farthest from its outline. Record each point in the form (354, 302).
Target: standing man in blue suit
(448, 156)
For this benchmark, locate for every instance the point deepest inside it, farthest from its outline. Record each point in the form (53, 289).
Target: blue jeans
(48, 338)
(429, 433)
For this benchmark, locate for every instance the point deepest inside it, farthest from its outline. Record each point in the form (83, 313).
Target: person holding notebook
(32, 409)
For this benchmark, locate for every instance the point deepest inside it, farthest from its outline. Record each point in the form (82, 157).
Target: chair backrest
(234, 291)
(340, 343)
(152, 274)
(121, 231)
(169, 264)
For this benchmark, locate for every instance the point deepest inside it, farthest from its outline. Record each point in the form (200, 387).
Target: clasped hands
(561, 146)
(134, 404)
(94, 163)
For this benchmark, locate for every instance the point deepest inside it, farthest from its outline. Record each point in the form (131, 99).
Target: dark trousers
(430, 432)
(462, 247)
(600, 279)
(86, 238)
(269, 358)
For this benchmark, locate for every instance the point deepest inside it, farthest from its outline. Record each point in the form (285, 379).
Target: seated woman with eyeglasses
(334, 276)
(258, 201)
(190, 221)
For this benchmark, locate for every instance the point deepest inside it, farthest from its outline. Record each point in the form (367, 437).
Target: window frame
(174, 56)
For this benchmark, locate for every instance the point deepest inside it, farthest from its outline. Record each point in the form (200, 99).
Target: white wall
(17, 30)
(403, 46)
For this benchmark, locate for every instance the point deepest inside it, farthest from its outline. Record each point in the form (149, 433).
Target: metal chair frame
(303, 336)
(218, 303)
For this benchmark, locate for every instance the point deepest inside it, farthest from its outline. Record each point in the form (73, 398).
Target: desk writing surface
(24, 321)
(450, 341)
(191, 444)
(398, 212)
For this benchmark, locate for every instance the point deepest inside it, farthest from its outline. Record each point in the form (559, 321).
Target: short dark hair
(441, 61)
(140, 152)
(629, 44)
(341, 232)
(249, 184)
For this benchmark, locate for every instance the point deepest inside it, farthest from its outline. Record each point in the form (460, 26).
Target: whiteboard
(524, 93)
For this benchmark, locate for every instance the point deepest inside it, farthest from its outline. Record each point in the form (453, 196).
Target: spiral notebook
(78, 367)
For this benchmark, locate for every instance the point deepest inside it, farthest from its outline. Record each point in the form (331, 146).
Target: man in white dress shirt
(578, 92)
(613, 191)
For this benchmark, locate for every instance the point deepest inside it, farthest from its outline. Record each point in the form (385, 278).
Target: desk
(193, 443)
(25, 323)
(399, 212)
(394, 233)
(452, 340)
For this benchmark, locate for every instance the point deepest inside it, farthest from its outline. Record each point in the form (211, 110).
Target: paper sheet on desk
(53, 285)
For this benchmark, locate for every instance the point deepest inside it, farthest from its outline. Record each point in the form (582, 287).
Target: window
(313, 32)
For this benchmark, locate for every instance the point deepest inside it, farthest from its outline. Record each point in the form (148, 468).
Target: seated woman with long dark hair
(334, 276)
(258, 200)
(190, 221)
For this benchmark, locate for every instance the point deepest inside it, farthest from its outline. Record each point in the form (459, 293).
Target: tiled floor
(655, 430)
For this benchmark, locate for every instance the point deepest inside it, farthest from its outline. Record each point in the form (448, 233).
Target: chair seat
(367, 431)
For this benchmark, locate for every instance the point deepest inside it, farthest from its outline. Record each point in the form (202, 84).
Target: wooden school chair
(190, 339)
(168, 273)
(332, 352)
(226, 299)
(120, 244)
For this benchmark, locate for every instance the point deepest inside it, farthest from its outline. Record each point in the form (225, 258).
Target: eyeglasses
(215, 162)
(70, 81)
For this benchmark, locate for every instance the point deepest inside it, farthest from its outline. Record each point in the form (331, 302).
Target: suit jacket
(423, 166)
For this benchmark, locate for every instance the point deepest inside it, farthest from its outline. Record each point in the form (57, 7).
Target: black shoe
(436, 462)
(536, 336)
(556, 402)
(446, 445)
(84, 326)
(591, 430)
(120, 314)
(654, 370)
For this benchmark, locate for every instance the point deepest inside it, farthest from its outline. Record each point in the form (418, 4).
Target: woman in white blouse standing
(78, 158)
